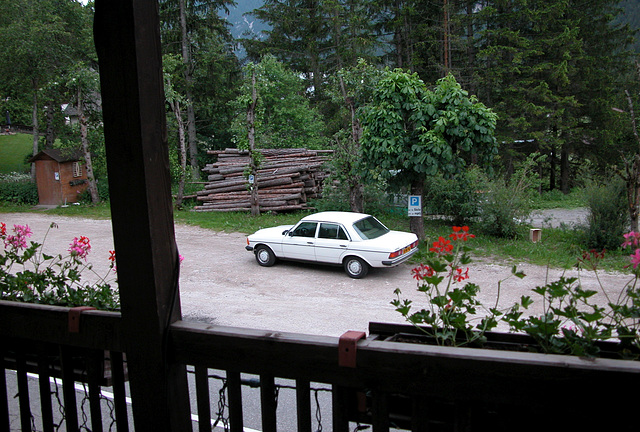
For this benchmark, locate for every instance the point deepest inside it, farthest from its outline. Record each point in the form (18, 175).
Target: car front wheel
(265, 256)
(356, 267)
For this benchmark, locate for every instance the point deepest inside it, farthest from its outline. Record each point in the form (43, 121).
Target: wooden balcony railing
(385, 385)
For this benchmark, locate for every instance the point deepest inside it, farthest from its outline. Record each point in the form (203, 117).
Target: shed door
(49, 191)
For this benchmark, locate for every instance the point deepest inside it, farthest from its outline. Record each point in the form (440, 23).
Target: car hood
(272, 232)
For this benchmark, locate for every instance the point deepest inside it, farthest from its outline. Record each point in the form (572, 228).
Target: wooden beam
(127, 39)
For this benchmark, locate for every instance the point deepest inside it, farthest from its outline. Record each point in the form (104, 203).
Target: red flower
(422, 271)
(442, 246)
(591, 259)
(461, 233)
(459, 275)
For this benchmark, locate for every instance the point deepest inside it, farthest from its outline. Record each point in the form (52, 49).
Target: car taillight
(247, 241)
(395, 254)
(405, 250)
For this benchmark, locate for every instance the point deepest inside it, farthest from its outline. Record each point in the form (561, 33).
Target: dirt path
(221, 283)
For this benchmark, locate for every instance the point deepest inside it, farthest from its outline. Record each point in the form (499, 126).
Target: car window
(305, 229)
(370, 228)
(332, 231)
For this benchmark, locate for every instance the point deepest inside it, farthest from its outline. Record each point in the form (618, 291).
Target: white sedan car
(354, 240)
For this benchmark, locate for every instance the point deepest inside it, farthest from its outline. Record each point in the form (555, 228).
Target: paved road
(221, 283)
(558, 217)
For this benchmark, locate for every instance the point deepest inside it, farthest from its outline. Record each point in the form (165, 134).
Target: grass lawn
(13, 151)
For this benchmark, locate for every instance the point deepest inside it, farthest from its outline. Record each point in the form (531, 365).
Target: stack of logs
(286, 179)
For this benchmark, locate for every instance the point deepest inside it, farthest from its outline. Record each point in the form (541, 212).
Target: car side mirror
(285, 232)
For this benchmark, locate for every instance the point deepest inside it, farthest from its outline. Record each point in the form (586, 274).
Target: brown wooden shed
(60, 175)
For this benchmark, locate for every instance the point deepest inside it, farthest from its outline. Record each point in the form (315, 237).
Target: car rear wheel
(265, 256)
(356, 267)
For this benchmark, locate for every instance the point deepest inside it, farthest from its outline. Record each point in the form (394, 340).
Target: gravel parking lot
(221, 283)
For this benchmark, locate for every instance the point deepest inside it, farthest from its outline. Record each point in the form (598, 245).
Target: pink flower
(635, 258)
(19, 240)
(80, 247)
(631, 239)
(3, 229)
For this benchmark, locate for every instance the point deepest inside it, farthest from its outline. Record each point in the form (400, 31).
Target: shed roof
(58, 155)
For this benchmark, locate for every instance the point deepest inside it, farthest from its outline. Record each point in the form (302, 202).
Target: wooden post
(127, 39)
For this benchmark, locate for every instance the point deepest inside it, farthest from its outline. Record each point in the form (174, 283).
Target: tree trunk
(552, 168)
(191, 117)
(35, 133)
(192, 137)
(183, 152)
(251, 136)
(633, 173)
(356, 197)
(50, 136)
(356, 188)
(416, 223)
(565, 187)
(93, 188)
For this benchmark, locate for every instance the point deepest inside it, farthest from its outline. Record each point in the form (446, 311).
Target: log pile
(286, 179)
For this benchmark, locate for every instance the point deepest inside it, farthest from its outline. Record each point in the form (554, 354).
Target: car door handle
(310, 243)
(344, 246)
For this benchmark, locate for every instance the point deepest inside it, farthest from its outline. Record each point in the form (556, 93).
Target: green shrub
(608, 219)
(103, 192)
(456, 197)
(18, 189)
(504, 206)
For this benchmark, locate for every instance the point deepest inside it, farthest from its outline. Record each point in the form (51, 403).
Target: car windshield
(370, 228)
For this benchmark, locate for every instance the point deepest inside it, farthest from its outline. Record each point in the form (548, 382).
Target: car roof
(346, 218)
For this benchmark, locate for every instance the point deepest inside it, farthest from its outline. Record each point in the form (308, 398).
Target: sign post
(414, 206)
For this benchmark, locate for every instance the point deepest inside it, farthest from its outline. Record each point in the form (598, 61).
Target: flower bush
(27, 274)
(571, 322)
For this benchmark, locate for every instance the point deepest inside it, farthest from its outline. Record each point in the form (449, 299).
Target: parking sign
(415, 205)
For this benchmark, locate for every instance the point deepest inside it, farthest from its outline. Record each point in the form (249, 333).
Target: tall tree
(40, 41)
(283, 115)
(195, 30)
(352, 88)
(541, 66)
(298, 36)
(176, 102)
(82, 84)
(410, 132)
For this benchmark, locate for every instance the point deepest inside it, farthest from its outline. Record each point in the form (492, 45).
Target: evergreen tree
(194, 30)
(542, 66)
(298, 36)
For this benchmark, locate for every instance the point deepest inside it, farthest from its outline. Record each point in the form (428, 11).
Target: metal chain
(60, 404)
(254, 383)
(318, 410)
(84, 416)
(222, 405)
